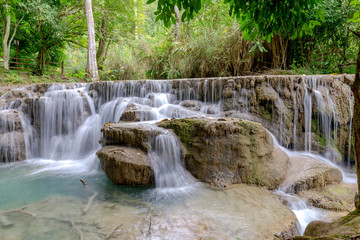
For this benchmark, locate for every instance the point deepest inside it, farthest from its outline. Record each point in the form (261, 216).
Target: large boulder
(334, 197)
(126, 166)
(10, 121)
(347, 227)
(228, 151)
(306, 173)
(12, 142)
(129, 134)
(12, 147)
(192, 105)
(136, 112)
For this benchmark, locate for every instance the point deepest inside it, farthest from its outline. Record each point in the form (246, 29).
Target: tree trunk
(91, 69)
(41, 59)
(275, 53)
(177, 26)
(6, 39)
(356, 123)
(136, 23)
(101, 52)
(6, 35)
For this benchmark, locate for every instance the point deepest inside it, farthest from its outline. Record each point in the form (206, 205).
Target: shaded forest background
(131, 44)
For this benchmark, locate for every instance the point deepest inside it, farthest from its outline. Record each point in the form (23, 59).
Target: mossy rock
(347, 227)
(229, 151)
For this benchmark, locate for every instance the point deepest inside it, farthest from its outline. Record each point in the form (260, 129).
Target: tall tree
(113, 19)
(259, 19)
(356, 119)
(177, 25)
(91, 67)
(9, 16)
(356, 91)
(51, 24)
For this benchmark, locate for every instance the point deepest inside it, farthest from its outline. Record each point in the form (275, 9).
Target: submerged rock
(347, 227)
(241, 212)
(306, 173)
(229, 151)
(126, 166)
(335, 197)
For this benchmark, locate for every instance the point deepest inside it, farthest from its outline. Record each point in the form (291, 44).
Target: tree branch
(15, 28)
(357, 34)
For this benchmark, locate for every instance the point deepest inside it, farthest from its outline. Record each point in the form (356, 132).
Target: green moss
(321, 140)
(266, 114)
(254, 175)
(185, 129)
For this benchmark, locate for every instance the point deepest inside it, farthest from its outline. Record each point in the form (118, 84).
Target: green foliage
(333, 45)
(16, 78)
(305, 37)
(258, 18)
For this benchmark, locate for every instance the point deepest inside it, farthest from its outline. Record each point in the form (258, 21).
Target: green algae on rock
(228, 151)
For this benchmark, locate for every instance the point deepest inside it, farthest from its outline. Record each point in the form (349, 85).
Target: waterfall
(295, 121)
(166, 161)
(68, 117)
(62, 114)
(17, 140)
(205, 91)
(244, 94)
(326, 116)
(307, 117)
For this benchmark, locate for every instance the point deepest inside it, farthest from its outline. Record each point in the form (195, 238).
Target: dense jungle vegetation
(154, 40)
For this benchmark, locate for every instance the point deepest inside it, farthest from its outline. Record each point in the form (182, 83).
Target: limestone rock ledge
(306, 173)
(229, 151)
(347, 227)
(126, 166)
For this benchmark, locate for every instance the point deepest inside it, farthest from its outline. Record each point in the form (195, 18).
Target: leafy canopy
(258, 18)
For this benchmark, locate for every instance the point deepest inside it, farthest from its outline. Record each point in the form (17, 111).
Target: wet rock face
(12, 147)
(229, 151)
(277, 102)
(136, 112)
(192, 105)
(126, 166)
(306, 173)
(12, 142)
(343, 228)
(124, 156)
(131, 135)
(334, 197)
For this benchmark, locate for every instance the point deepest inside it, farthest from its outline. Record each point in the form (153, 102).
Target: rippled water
(51, 190)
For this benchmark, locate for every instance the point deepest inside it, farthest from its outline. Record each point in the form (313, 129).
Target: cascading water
(16, 137)
(69, 119)
(295, 120)
(307, 117)
(166, 161)
(326, 116)
(63, 114)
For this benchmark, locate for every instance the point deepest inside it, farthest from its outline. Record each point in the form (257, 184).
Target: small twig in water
(77, 229)
(149, 231)
(84, 182)
(91, 199)
(21, 210)
(112, 231)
